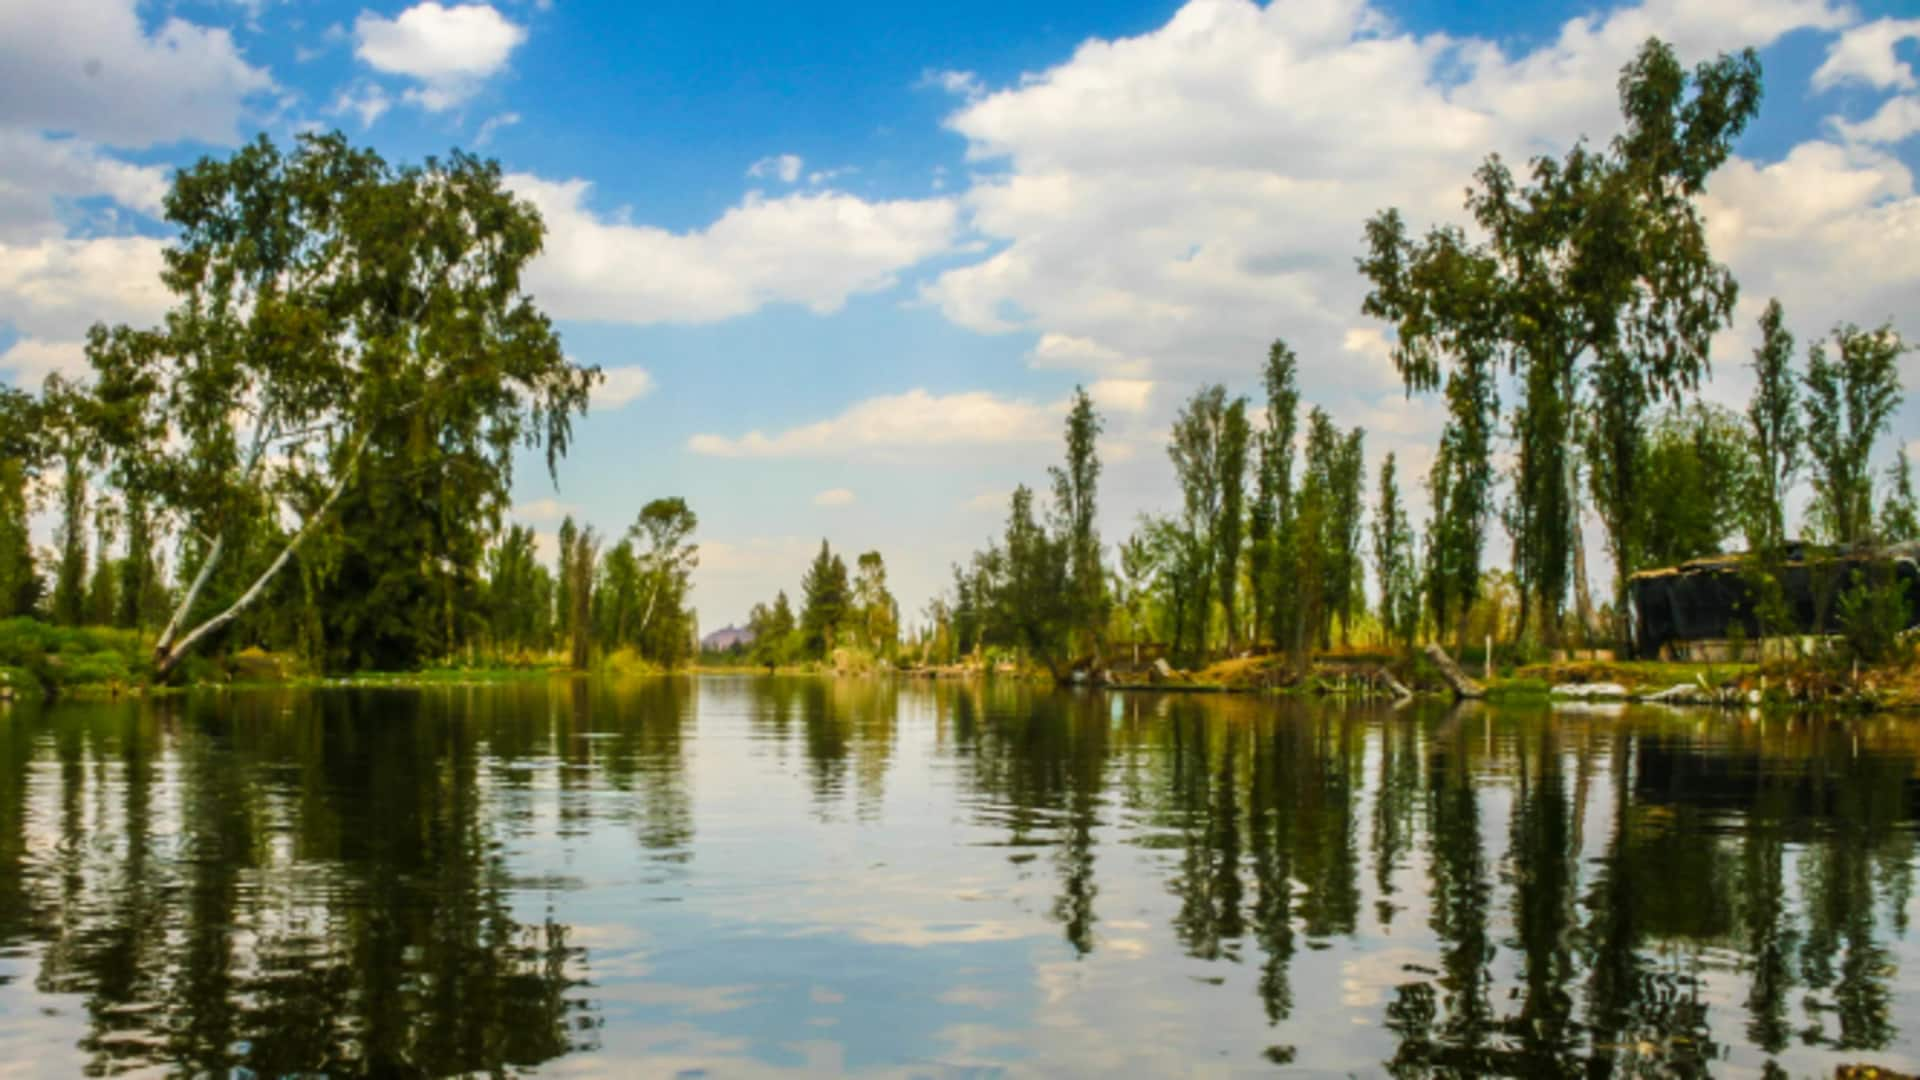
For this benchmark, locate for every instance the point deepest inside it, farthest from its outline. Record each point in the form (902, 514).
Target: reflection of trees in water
(321, 891)
(847, 728)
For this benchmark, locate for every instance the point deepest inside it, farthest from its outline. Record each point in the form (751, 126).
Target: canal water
(767, 877)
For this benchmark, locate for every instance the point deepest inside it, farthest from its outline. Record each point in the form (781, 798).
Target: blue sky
(844, 263)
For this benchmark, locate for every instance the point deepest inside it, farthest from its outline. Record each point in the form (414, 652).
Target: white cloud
(834, 497)
(1188, 194)
(88, 67)
(1896, 119)
(39, 171)
(1121, 395)
(785, 166)
(1865, 55)
(366, 100)
(959, 83)
(544, 511)
(620, 385)
(815, 249)
(55, 289)
(449, 51)
(1082, 354)
(893, 425)
(493, 125)
(29, 361)
(988, 502)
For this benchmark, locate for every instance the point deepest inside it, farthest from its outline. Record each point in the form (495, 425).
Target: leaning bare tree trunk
(1463, 684)
(167, 654)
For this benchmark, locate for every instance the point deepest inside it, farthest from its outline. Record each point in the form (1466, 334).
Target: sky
(844, 264)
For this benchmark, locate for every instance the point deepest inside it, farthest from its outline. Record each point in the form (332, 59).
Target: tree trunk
(1462, 683)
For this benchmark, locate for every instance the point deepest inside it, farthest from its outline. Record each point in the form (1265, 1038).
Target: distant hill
(725, 638)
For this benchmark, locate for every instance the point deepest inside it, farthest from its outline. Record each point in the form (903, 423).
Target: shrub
(1872, 614)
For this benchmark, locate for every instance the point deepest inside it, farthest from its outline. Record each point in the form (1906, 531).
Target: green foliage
(1872, 612)
(1270, 521)
(775, 636)
(1692, 496)
(665, 559)
(1850, 401)
(60, 659)
(1076, 498)
(826, 598)
(1774, 427)
(1900, 513)
(1203, 450)
(341, 326)
(1394, 561)
(519, 594)
(1600, 259)
(875, 613)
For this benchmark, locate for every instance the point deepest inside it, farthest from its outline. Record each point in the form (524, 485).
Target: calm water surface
(740, 876)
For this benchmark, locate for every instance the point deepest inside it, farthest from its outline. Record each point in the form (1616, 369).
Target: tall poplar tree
(1850, 401)
(1270, 522)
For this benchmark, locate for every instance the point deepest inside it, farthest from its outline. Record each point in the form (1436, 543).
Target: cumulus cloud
(959, 83)
(1895, 120)
(1189, 194)
(834, 497)
(1082, 354)
(620, 385)
(449, 51)
(892, 425)
(785, 166)
(1121, 395)
(815, 249)
(55, 289)
(367, 101)
(1865, 55)
(89, 68)
(40, 171)
(28, 362)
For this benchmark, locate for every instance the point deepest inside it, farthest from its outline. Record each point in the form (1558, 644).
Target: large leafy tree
(1201, 448)
(1594, 269)
(336, 319)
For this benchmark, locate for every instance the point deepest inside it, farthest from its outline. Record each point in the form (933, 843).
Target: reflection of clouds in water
(1367, 979)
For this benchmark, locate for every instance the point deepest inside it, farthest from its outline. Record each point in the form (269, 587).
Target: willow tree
(1594, 270)
(326, 300)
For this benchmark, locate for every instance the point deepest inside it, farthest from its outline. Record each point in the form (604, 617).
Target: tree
(563, 581)
(1692, 498)
(1075, 495)
(581, 557)
(1900, 514)
(1774, 427)
(1850, 401)
(1133, 582)
(103, 588)
(1393, 560)
(22, 452)
(1033, 606)
(667, 559)
(1235, 435)
(1600, 261)
(875, 611)
(825, 598)
(519, 589)
(1345, 527)
(773, 631)
(1198, 450)
(64, 414)
(325, 302)
(141, 593)
(1270, 521)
